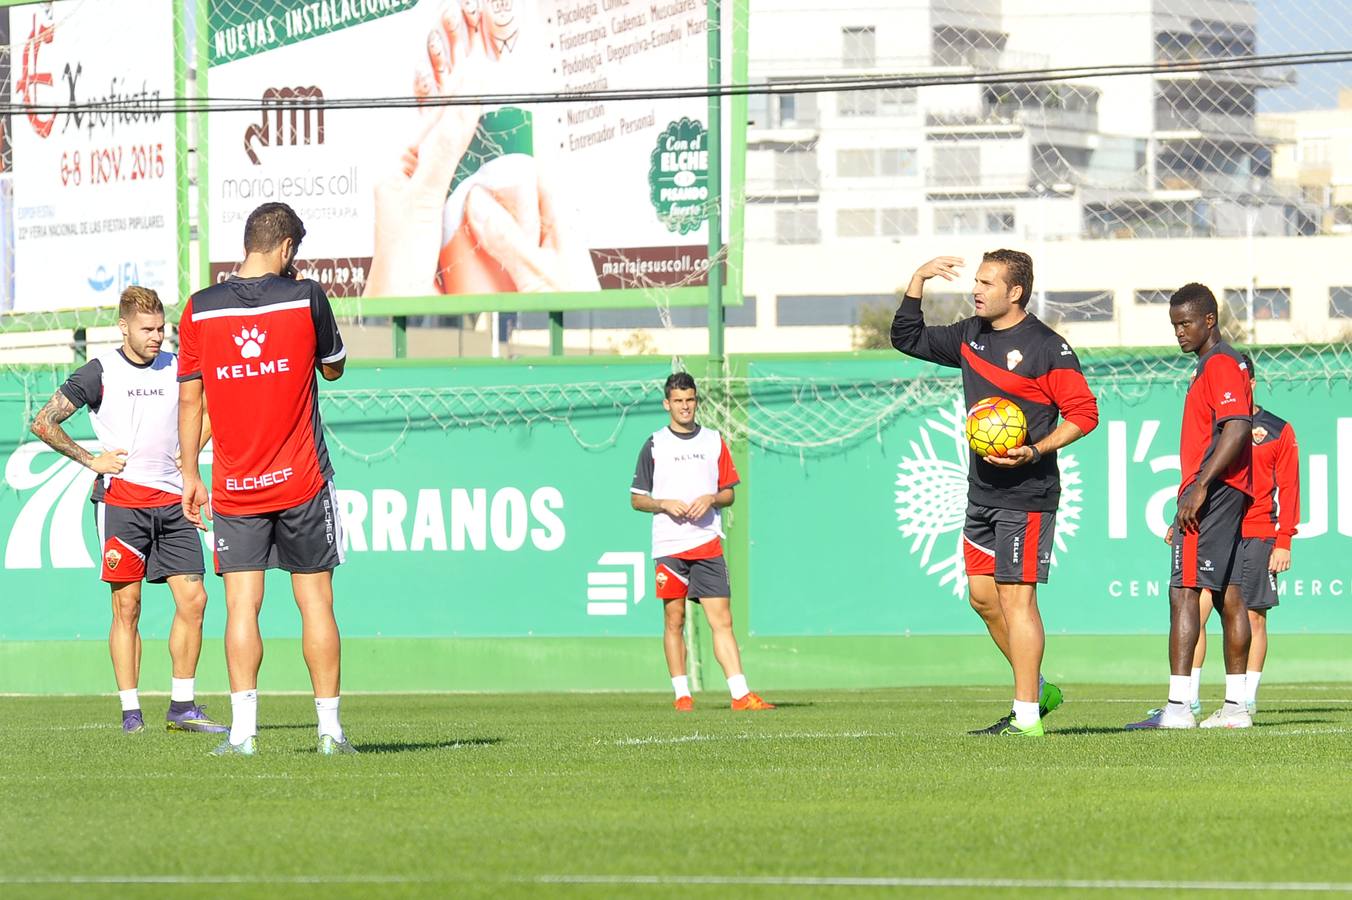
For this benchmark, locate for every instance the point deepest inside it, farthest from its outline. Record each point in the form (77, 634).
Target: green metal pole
(181, 56)
(80, 344)
(556, 333)
(715, 180)
(400, 327)
(202, 22)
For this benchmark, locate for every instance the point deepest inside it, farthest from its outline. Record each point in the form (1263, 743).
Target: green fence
(490, 544)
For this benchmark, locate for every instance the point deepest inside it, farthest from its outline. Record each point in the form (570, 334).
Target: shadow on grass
(1287, 710)
(792, 704)
(418, 746)
(1083, 730)
(1282, 723)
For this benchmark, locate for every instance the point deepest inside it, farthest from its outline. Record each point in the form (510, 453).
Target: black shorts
(151, 543)
(1205, 558)
(997, 542)
(691, 578)
(304, 539)
(1257, 583)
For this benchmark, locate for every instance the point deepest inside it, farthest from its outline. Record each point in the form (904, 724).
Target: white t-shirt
(134, 408)
(676, 466)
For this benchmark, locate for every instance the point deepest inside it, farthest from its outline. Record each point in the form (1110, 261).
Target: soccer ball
(995, 426)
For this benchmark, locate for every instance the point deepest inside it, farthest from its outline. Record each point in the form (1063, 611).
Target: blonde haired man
(131, 393)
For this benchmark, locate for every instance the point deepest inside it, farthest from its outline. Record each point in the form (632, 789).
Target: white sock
(327, 710)
(129, 700)
(243, 716)
(1234, 688)
(1196, 685)
(737, 686)
(1025, 713)
(1180, 688)
(681, 685)
(1251, 679)
(181, 690)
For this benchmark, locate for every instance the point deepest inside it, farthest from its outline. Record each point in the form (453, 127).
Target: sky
(1290, 26)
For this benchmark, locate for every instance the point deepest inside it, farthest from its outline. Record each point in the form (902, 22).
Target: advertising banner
(94, 199)
(883, 517)
(506, 197)
(518, 530)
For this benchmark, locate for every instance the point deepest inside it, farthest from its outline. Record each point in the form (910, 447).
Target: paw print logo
(250, 342)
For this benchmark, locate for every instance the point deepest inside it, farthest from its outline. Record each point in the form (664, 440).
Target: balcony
(1014, 117)
(963, 183)
(1196, 122)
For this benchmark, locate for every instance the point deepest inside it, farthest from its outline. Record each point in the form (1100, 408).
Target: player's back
(254, 342)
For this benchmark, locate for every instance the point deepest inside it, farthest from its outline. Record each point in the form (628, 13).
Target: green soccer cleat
(331, 746)
(249, 747)
(1051, 698)
(1006, 727)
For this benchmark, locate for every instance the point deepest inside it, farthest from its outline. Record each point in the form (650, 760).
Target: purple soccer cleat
(192, 718)
(132, 721)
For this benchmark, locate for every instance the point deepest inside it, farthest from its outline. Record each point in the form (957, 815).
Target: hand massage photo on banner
(474, 187)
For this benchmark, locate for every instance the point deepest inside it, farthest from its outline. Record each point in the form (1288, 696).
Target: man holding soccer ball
(1008, 359)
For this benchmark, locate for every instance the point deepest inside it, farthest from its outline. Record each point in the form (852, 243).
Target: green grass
(489, 795)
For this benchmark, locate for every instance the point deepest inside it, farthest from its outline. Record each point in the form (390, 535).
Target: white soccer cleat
(1230, 715)
(1170, 716)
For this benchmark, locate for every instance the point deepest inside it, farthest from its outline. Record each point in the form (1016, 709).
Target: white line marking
(608, 609)
(217, 879)
(608, 593)
(1068, 884)
(800, 735)
(600, 579)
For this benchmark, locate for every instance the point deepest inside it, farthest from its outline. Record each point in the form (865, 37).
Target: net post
(556, 333)
(714, 12)
(399, 328)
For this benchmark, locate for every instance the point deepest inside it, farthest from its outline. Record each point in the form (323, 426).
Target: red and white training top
(256, 343)
(683, 466)
(1276, 481)
(133, 407)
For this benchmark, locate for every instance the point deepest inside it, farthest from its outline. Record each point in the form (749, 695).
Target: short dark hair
(678, 381)
(270, 224)
(1196, 295)
(1248, 363)
(1018, 270)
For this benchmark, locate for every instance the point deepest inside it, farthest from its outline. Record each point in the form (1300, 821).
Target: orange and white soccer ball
(995, 426)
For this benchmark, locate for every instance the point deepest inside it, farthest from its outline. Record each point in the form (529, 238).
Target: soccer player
(1265, 541)
(684, 477)
(132, 400)
(1213, 498)
(1004, 350)
(251, 346)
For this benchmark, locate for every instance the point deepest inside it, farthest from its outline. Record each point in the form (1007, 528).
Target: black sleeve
(940, 344)
(328, 341)
(84, 387)
(643, 472)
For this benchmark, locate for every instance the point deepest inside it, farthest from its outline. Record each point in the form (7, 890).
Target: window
(796, 170)
(838, 309)
(860, 47)
(956, 165)
(856, 223)
(1080, 306)
(890, 162)
(898, 222)
(1340, 303)
(973, 220)
(797, 226)
(1268, 303)
(1152, 296)
(857, 103)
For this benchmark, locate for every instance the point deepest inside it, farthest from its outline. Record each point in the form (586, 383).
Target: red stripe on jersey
(703, 551)
(1032, 537)
(1019, 386)
(727, 472)
(1190, 539)
(1071, 394)
(127, 495)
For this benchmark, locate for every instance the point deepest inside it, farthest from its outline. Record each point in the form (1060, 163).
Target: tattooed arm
(47, 427)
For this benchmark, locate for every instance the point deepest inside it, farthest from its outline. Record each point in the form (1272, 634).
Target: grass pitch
(836, 794)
